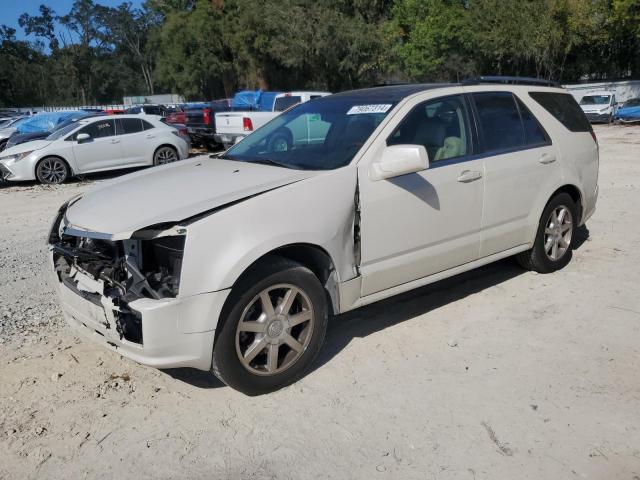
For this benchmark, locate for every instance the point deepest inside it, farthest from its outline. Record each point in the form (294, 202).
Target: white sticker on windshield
(359, 109)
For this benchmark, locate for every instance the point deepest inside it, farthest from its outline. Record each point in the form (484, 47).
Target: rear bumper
(201, 133)
(227, 138)
(175, 332)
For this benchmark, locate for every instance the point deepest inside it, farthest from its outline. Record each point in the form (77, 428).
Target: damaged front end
(112, 274)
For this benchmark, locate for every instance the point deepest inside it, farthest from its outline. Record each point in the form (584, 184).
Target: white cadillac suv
(232, 264)
(94, 144)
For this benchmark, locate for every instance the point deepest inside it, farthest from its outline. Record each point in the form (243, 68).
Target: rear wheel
(52, 171)
(552, 248)
(165, 155)
(272, 328)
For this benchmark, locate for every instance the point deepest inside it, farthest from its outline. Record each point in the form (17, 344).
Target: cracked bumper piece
(174, 332)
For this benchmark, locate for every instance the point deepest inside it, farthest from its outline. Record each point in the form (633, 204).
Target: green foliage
(210, 48)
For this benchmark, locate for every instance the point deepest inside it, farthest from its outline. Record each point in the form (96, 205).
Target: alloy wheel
(166, 155)
(53, 170)
(275, 329)
(557, 233)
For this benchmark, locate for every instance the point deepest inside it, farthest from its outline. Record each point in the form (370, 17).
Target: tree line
(206, 49)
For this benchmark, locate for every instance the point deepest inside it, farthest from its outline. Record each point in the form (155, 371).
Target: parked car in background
(8, 122)
(158, 110)
(34, 123)
(629, 112)
(240, 268)
(176, 115)
(92, 145)
(17, 138)
(599, 106)
(231, 127)
(201, 123)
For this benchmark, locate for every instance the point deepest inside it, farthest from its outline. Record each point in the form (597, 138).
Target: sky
(10, 10)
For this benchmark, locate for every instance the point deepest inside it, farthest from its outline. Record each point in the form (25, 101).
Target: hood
(594, 108)
(25, 147)
(172, 193)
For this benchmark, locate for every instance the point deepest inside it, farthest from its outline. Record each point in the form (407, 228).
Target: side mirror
(83, 137)
(399, 160)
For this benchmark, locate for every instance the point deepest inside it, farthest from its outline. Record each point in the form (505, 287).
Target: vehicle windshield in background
(634, 102)
(595, 100)
(321, 134)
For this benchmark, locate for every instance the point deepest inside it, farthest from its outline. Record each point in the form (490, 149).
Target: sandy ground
(495, 374)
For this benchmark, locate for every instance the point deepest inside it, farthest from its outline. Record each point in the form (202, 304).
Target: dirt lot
(495, 374)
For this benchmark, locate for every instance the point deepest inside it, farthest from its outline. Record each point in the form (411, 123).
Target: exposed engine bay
(112, 274)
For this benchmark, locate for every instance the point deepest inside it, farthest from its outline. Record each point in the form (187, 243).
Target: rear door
(130, 132)
(102, 150)
(520, 164)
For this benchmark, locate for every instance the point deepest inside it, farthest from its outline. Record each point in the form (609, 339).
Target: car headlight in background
(17, 156)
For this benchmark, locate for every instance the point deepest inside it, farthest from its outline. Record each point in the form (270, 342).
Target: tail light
(206, 114)
(247, 125)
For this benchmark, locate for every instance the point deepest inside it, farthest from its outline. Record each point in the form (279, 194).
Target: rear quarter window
(564, 108)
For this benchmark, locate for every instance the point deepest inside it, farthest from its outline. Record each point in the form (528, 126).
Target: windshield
(321, 134)
(635, 102)
(61, 132)
(595, 100)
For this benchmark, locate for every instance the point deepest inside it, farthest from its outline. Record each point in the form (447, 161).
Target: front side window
(99, 129)
(282, 103)
(320, 135)
(125, 126)
(440, 125)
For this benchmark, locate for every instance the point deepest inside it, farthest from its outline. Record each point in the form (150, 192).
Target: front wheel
(552, 248)
(272, 328)
(52, 171)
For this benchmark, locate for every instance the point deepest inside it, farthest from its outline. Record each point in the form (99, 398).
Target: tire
(553, 236)
(165, 154)
(52, 171)
(280, 142)
(264, 342)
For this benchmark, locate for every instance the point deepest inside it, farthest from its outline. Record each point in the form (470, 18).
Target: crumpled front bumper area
(176, 332)
(125, 295)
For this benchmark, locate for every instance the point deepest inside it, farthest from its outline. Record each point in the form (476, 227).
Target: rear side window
(499, 119)
(534, 134)
(153, 110)
(147, 125)
(282, 103)
(128, 125)
(564, 108)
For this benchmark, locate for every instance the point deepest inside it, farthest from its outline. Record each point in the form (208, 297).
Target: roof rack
(511, 81)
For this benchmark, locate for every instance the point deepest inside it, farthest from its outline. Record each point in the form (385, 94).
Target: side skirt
(350, 291)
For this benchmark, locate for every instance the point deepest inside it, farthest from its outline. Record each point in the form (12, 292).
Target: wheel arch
(309, 255)
(574, 192)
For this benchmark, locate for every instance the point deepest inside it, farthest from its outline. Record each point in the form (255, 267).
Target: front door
(423, 223)
(101, 151)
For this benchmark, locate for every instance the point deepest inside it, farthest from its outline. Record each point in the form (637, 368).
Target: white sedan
(93, 145)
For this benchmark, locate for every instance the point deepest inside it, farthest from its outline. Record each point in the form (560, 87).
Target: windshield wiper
(268, 161)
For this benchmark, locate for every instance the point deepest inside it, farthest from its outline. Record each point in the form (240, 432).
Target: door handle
(151, 136)
(115, 140)
(469, 176)
(547, 158)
